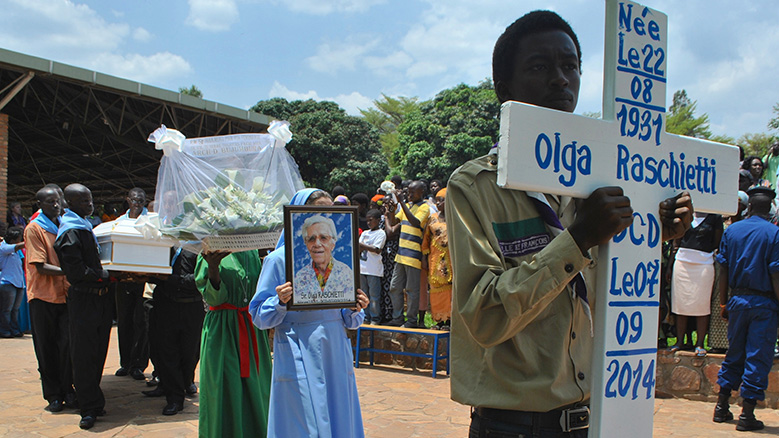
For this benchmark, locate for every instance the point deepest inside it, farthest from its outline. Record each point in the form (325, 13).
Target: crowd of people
(521, 342)
(202, 313)
(405, 267)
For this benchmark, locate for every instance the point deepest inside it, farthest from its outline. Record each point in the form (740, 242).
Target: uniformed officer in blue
(749, 259)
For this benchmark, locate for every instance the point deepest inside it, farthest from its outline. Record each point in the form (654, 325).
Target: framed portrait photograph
(322, 256)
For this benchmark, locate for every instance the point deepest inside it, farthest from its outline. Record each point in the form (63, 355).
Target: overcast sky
(724, 53)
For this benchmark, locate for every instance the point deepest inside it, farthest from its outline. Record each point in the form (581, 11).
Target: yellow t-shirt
(410, 243)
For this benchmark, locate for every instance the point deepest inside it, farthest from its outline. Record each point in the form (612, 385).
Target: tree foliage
(681, 118)
(756, 144)
(330, 147)
(592, 114)
(459, 124)
(774, 122)
(388, 114)
(193, 90)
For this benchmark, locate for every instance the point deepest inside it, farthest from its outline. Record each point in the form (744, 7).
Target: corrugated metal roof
(40, 65)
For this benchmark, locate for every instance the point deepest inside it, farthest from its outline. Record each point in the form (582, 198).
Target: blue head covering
(72, 221)
(44, 222)
(300, 198)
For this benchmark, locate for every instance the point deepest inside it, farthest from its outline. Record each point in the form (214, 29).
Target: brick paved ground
(396, 403)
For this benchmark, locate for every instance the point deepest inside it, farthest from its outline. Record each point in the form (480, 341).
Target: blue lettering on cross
(700, 177)
(574, 160)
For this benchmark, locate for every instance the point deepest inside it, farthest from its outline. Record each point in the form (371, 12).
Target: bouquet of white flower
(214, 187)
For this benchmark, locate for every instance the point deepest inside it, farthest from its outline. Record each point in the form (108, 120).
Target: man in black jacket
(90, 301)
(175, 326)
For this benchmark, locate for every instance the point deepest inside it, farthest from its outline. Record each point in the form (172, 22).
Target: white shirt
(370, 263)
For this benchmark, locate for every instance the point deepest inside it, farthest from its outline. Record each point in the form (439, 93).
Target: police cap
(765, 191)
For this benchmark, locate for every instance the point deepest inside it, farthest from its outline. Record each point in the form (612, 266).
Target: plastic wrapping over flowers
(225, 185)
(228, 210)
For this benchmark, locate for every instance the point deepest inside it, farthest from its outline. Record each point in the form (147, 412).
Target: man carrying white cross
(521, 326)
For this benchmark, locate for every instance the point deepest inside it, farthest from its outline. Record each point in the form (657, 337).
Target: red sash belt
(243, 336)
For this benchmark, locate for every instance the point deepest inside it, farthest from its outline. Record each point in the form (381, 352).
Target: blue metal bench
(372, 329)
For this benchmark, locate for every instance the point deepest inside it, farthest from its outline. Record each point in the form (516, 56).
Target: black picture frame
(340, 289)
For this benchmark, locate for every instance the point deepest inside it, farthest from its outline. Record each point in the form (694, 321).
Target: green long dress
(231, 405)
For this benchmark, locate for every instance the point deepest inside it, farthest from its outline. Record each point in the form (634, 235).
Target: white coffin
(124, 248)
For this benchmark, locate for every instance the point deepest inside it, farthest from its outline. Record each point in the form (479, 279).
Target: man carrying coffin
(132, 325)
(521, 331)
(175, 326)
(47, 292)
(89, 301)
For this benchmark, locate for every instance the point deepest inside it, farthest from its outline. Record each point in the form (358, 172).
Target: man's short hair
(504, 54)
(44, 191)
(319, 219)
(373, 213)
(420, 184)
(136, 191)
(361, 198)
(338, 190)
(14, 233)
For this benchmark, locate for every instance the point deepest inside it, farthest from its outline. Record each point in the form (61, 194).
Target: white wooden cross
(563, 154)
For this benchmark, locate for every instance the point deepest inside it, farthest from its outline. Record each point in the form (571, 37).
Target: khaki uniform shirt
(521, 339)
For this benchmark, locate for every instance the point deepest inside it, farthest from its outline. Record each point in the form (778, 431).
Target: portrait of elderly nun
(323, 258)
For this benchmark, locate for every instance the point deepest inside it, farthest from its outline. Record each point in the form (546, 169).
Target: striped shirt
(410, 243)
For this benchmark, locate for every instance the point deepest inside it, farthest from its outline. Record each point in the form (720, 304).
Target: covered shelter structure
(64, 124)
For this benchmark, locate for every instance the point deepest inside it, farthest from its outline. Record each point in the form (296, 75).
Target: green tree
(756, 144)
(193, 90)
(774, 122)
(459, 124)
(388, 114)
(330, 147)
(592, 114)
(681, 118)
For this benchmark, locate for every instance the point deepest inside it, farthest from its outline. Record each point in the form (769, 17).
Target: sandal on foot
(700, 352)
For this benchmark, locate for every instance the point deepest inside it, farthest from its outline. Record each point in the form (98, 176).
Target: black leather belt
(99, 291)
(745, 291)
(565, 420)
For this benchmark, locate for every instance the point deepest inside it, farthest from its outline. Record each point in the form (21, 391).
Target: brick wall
(684, 375)
(3, 164)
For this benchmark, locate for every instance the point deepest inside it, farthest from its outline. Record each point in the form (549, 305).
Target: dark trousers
(176, 344)
(752, 337)
(51, 339)
(90, 330)
(487, 428)
(132, 326)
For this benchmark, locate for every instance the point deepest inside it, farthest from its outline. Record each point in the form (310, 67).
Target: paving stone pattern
(396, 403)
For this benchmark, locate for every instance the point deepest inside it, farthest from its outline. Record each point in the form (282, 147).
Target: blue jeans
(405, 277)
(10, 301)
(371, 285)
